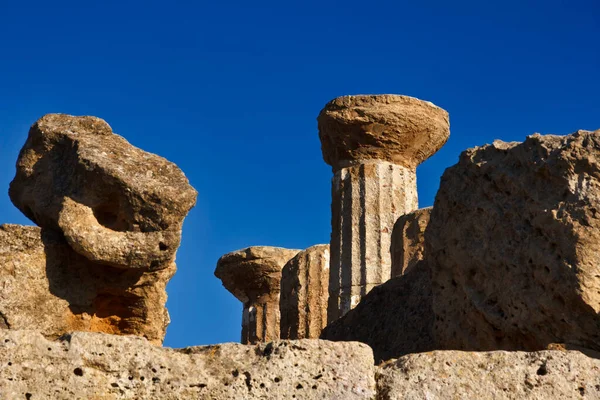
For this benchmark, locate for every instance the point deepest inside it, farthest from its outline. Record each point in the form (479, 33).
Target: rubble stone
(48, 287)
(115, 203)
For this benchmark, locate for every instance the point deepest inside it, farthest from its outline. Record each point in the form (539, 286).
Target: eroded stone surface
(115, 203)
(408, 240)
(253, 276)
(441, 375)
(94, 366)
(304, 293)
(513, 245)
(395, 318)
(48, 287)
(374, 144)
(402, 130)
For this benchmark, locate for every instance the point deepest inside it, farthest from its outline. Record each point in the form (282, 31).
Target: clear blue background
(229, 90)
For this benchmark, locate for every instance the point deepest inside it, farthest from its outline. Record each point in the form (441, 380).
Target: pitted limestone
(115, 204)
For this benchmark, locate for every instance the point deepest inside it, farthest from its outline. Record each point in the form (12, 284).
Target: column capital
(399, 129)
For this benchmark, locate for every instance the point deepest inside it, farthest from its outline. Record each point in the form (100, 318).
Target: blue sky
(230, 92)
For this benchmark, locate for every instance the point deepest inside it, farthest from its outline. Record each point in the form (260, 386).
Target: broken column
(408, 240)
(374, 144)
(253, 276)
(304, 294)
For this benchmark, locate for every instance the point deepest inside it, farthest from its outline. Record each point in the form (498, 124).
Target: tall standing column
(253, 275)
(374, 144)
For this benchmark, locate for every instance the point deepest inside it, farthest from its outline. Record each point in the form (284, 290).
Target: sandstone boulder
(513, 245)
(304, 293)
(408, 240)
(253, 276)
(441, 375)
(98, 366)
(402, 130)
(395, 318)
(48, 287)
(115, 203)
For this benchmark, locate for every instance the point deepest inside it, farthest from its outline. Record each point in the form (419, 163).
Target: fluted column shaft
(260, 320)
(304, 293)
(367, 199)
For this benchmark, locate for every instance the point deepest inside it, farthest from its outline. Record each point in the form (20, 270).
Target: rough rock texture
(497, 375)
(48, 287)
(253, 276)
(367, 200)
(395, 318)
(98, 366)
(408, 240)
(513, 245)
(304, 293)
(115, 203)
(400, 129)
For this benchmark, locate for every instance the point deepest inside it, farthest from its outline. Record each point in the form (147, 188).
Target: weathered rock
(94, 366)
(304, 294)
(402, 130)
(115, 203)
(513, 245)
(253, 276)
(48, 287)
(395, 318)
(497, 375)
(374, 144)
(408, 240)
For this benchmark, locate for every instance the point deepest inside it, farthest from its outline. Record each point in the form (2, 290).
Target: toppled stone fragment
(441, 375)
(513, 245)
(395, 318)
(253, 276)
(115, 203)
(48, 287)
(304, 293)
(408, 240)
(374, 144)
(94, 366)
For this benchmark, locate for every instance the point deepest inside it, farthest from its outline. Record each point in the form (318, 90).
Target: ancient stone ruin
(403, 303)
(374, 144)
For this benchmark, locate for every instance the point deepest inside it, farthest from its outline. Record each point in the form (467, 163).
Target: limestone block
(408, 240)
(395, 318)
(304, 293)
(98, 366)
(48, 287)
(253, 276)
(513, 245)
(498, 375)
(115, 203)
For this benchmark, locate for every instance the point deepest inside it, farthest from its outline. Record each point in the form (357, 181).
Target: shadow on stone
(395, 318)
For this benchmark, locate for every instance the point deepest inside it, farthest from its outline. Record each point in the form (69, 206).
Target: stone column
(408, 240)
(304, 293)
(253, 276)
(374, 144)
